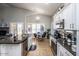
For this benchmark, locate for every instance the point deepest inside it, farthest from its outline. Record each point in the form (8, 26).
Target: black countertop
(8, 41)
(67, 47)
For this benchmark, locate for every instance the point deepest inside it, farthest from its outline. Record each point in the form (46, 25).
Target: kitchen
(17, 22)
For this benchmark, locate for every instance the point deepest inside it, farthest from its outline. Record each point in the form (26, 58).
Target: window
(19, 28)
(13, 28)
(36, 27)
(29, 29)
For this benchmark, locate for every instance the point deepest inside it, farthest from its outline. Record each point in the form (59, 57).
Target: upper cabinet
(68, 14)
(77, 16)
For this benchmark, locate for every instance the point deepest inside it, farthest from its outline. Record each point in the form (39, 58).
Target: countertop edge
(67, 48)
(16, 42)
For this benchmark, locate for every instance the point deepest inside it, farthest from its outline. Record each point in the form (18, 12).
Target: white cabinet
(69, 16)
(10, 49)
(14, 50)
(77, 16)
(3, 50)
(77, 24)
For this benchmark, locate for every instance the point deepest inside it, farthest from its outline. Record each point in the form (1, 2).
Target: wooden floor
(43, 48)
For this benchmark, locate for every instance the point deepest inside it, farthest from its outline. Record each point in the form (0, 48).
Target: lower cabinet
(3, 51)
(10, 50)
(14, 49)
(61, 51)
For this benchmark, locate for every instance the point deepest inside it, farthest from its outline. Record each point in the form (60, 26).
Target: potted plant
(48, 33)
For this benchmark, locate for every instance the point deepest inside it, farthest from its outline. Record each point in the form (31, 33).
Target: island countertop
(8, 41)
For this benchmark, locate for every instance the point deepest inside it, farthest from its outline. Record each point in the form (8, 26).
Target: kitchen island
(13, 48)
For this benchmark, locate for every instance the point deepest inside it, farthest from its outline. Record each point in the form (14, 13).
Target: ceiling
(40, 8)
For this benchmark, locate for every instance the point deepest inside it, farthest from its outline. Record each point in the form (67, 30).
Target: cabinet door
(3, 49)
(14, 50)
(77, 16)
(68, 13)
(74, 17)
(77, 24)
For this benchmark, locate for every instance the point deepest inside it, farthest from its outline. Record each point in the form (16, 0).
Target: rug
(32, 48)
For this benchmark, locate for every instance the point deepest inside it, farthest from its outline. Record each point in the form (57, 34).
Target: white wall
(46, 20)
(14, 14)
(11, 14)
(52, 19)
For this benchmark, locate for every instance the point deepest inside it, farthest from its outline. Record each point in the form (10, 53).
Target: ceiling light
(37, 17)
